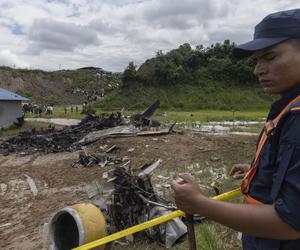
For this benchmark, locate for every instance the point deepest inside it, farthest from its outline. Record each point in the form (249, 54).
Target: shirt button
(289, 146)
(279, 202)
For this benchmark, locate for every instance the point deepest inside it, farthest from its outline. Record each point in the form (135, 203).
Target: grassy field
(203, 115)
(188, 97)
(189, 119)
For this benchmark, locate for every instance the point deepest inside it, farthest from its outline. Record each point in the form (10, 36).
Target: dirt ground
(23, 216)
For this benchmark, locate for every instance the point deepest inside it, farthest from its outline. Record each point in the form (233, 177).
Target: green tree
(129, 74)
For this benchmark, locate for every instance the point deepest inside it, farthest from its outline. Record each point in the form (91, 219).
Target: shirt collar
(280, 104)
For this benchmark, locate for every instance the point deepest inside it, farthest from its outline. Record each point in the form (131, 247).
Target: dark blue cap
(273, 29)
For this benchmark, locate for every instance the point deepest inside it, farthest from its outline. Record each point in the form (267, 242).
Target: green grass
(187, 97)
(203, 115)
(183, 118)
(199, 117)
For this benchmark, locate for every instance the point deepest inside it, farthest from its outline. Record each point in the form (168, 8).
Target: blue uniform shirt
(279, 183)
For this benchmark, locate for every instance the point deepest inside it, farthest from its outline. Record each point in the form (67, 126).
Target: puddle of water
(235, 123)
(224, 127)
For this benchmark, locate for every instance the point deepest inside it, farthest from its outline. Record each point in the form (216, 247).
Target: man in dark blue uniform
(270, 218)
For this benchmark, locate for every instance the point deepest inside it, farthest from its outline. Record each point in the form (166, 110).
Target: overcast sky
(68, 34)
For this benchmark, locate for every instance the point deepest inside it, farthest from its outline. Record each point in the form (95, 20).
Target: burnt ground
(23, 215)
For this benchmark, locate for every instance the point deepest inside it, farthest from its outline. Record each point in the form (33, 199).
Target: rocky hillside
(58, 87)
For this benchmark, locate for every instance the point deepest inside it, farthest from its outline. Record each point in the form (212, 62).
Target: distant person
(76, 109)
(72, 108)
(84, 108)
(66, 110)
(49, 110)
(35, 109)
(270, 219)
(40, 111)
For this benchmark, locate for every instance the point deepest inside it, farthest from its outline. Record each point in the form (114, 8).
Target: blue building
(10, 107)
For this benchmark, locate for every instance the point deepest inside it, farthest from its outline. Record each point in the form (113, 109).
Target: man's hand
(238, 171)
(187, 194)
(257, 220)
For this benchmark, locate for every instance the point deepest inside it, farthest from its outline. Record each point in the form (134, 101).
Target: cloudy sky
(68, 34)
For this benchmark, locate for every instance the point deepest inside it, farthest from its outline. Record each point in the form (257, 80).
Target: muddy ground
(23, 216)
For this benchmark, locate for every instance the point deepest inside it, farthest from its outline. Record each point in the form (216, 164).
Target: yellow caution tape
(228, 195)
(159, 220)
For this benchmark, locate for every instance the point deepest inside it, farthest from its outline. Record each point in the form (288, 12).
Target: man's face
(278, 67)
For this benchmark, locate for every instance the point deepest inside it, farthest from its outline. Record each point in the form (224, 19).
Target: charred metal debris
(101, 159)
(53, 140)
(127, 199)
(89, 130)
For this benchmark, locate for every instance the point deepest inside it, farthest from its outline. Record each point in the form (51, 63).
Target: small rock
(3, 188)
(5, 225)
(215, 158)
(163, 177)
(103, 147)
(105, 175)
(130, 149)
(125, 158)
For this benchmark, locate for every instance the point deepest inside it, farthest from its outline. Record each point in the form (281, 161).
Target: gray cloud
(177, 14)
(178, 7)
(68, 32)
(46, 34)
(175, 22)
(104, 27)
(240, 36)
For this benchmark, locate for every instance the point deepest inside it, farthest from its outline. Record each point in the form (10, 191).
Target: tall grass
(207, 237)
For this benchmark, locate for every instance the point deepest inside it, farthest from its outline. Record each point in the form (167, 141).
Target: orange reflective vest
(268, 128)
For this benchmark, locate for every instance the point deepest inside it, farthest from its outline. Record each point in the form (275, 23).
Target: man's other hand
(238, 171)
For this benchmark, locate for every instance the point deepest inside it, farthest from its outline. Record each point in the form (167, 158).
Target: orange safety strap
(251, 200)
(268, 128)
